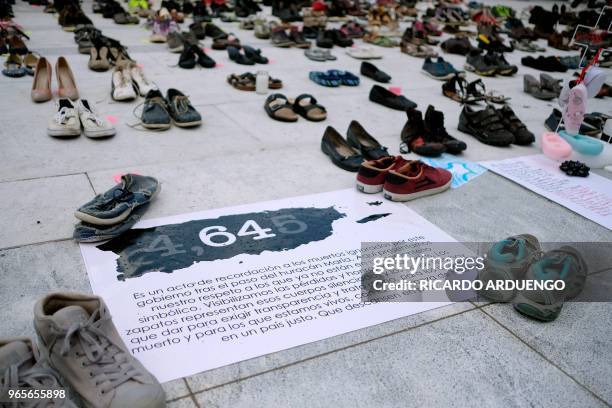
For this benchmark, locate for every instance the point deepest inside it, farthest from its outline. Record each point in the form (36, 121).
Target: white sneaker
(141, 81)
(93, 124)
(122, 88)
(65, 122)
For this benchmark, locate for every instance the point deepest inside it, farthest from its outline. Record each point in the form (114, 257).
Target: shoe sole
(537, 311)
(99, 134)
(471, 68)
(111, 221)
(157, 126)
(441, 78)
(413, 196)
(369, 188)
(187, 124)
(64, 132)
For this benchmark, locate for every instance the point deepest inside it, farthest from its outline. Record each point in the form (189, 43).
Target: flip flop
(277, 106)
(345, 77)
(242, 82)
(324, 79)
(307, 107)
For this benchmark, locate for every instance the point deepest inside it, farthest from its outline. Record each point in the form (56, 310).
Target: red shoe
(372, 173)
(415, 179)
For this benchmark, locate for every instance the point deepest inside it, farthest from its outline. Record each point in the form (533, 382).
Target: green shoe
(508, 259)
(565, 264)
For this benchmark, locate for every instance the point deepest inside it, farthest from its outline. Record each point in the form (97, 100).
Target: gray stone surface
(462, 361)
(578, 341)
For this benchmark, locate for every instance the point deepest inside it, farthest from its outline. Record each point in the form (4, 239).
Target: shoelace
(182, 104)
(63, 115)
(109, 364)
(34, 377)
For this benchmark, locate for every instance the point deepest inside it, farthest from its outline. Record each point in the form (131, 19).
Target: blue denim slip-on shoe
(84, 232)
(115, 205)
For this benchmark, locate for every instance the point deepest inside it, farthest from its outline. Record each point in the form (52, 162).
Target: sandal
(477, 88)
(277, 106)
(324, 79)
(307, 107)
(247, 82)
(456, 89)
(347, 78)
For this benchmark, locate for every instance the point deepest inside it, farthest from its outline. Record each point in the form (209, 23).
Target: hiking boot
(508, 260)
(77, 335)
(372, 173)
(116, 204)
(565, 264)
(476, 62)
(512, 123)
(415, 179)
(21, 366)
(182, 112)
(485, 125)
(155, 112)
(65, 122)
(434, 126)
(417, 139)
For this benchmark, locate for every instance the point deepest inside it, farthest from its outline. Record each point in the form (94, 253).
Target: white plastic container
(261, 82)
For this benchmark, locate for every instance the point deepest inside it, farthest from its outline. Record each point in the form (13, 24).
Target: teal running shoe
(508, 259)
(565, 264)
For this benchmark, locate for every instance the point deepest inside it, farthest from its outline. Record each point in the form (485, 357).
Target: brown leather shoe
(41, 86)
(65, 80)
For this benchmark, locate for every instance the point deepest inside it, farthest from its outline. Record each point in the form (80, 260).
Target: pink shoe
(573, 113)
(554, 147)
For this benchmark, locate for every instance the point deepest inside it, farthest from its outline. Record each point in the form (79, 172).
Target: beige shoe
(65, 80)
(94, 125)
(41, 86)
(77, 335)
(65, 122)
(22, 367)
(98, 59)
(122, 88)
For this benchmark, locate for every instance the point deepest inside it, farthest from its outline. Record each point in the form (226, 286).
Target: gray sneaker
(508, 259)
(21, 367)
(77, 335)
(115, 205)
(175, 42)
(564, 263)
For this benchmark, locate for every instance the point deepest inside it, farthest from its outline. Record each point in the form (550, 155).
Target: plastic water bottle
(261, 82)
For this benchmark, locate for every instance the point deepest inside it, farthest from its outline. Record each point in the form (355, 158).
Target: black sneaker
(502, 66)
(485, 125)
(548, 64)
(182, 112)
(522, 136)
(476, 62)
(417, 139)
(155, 112)
(434, 125)
(371, 71)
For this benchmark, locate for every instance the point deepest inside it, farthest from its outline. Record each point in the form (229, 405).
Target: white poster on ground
(589, 196)
(197, 291)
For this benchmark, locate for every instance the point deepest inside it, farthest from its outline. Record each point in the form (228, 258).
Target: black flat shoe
(236, 56)
(202, 58)
(387, 98)
(339, 151)
(187, 59)
(371, 71)
(361, 140)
